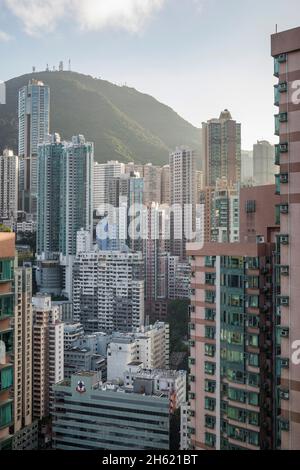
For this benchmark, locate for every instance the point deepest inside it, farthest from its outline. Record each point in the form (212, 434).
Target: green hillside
(123, 123)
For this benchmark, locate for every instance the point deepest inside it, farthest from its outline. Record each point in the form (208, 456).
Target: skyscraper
(183, 193)
(48, 354)
(286, 52)
(165, 184)
(65, 198)
(221, 141)
(264, 167)
(8, 185)
(34, 117)
(103, 172)
(22, 348)
(152, 183)
(231, 338)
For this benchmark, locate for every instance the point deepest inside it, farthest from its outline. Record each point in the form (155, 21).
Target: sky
(197, 56)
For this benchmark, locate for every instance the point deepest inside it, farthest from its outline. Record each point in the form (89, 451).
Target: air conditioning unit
(284, 239)
(284, 301)
(284, 147)
(282, 87)
(260, 239)
(284, 270)
(284, 363)
(284, 395)
(284, 208)
(284, 178)
(281, 58)
(284, 332)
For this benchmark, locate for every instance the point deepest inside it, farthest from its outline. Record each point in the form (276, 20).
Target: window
(253, 418)
(253, 321)
(210, 279)
(238, 414)
(253, 379)
(210, 439)
(210, 421)
(253, 340)
(235, 376)
(250, 206)
(236, 394)
(238, 434)
(209, 350)
(253, 360)
(210, 368)
(210, 386)
(210, 314)
(210, 332)
(210, 403)
(253, 398)
(210, 296)
(253, 301)
(210, 261)
(253, 438)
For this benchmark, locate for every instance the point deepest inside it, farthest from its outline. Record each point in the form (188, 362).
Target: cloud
(4, 37)
(39, 16)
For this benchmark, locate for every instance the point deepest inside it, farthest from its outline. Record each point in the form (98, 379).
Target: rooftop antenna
(69, 65)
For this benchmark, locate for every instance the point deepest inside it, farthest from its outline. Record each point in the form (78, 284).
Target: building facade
(286, 52)
(7, 255)
(264, 167)
(231, 339)
(115, 418)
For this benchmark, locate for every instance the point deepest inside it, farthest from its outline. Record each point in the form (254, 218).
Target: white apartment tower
(8, 185)
(108, 290)
(183, 192)
(103, 172)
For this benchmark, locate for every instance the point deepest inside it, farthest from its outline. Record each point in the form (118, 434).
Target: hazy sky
(198, 56)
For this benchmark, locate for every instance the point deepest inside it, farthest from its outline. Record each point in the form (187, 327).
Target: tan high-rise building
(264, 167)
(286, 52)
(22, 348)
(231, 391)
(152, 184)
(7, 254)
(48, 354)
(221, 141)
(165, 184)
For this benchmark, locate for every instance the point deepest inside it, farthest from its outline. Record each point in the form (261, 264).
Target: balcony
(276, 95)
(6, 414)
(6, 271)
(6, 305)
(6, 377)
(280, 59)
